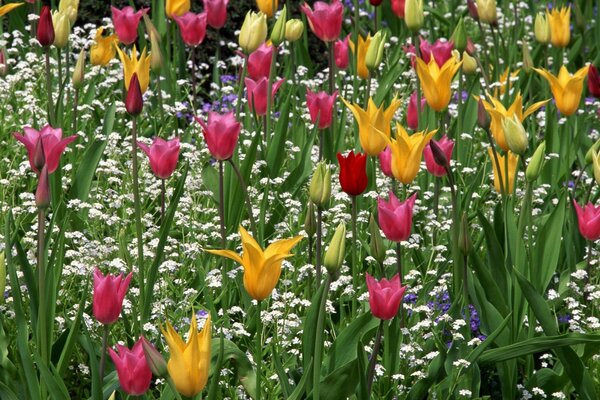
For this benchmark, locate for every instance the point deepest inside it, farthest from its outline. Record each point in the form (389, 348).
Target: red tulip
(412, 114)
(325, 20)
(45, 29)
(385, 296)
(594, 81)
(216, 11)
(398, 7)
(126, 23)
(257, 94)
(192, 27)
(375, 2)
(446, 146)
(340, 52)
(395, 217)
(589, 220)
(259, 62)
(353, 173)
(473, 10)
(442, 51)
(52, 142)
(109, 292)
(221, 133)
(320, 105)
(132, 368)
(163, 156)
(385, 160)
(134, 102)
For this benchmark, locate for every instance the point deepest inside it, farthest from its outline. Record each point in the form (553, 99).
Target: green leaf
(310, 328)
(343, 349)
(55, 385)
(231, 353)
(547, 248)
(340, 383)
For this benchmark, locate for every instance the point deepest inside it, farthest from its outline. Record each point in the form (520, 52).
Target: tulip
(536, 163)
(353, 173)
(134, 65)
(5, 9)
(398, 7)
(261, 268)
(375, 2)
(320, 185)
(406, 153)
(3, 64)
(436, 81)
(70, 8)
(104, 48)
(79, 71)
(469, 65)
(325, 20)
(512, 171)
(320, 105)
(395, 217)
(589, 220)
(560, 29)
(132, 368)
(486, 10)
(371, 121)
(294, 29)
(440, 50)
(334, 256)
(51, 141)
(42, 193)
(259, 62)
(515, 134)
(340, 52)
(257, 94)
(594, 81)
(192, 27)
(591, 150)
(216, 11)
(385, 296)
(375, 51)
(596, 166)
(176, 8)
(156, 58)
(45, 29)
(542, 29)
(413, 14)
(376, 246)
(267, 7)
(134, 102)
(472, 7)
(155, 360)
(385, 161)
(221, 133)
(446, 146)
(163, 156)
(62, 29)
(412, 115)
(126, 23)
(109, 292)
(253, 32)
(278, 31)
(566, 88)
(483, 118)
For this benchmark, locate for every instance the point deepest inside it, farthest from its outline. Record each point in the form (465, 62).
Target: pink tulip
(163, 156)
(3, 64)
(398, 7)
(320, 105)
(132, 368)
(126, 23)
(589, 220)
(385, 160)
(109, 292)
(340, 52)
(192, 27)
(325, 20)
(446, 145)
(257, 94)
(221, 133)
(259, 62)
(442, 51)
(216, 11)
(395, 217)
(385, 296)
(51, 141)
(412, 114)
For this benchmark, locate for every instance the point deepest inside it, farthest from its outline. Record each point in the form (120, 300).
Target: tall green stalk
(319, 341)
(258, 351)
(137, 208)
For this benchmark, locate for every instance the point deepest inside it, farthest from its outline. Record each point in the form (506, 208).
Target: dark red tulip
(45, 29)
(375, 2)
(134, 103)
(594, 81)
(353, 173)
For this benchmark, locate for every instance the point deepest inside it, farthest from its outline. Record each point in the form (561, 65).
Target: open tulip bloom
(385, 296)
(435, 81)
(51, 140)
(325, 19)
(566, 88)
(133, 371)
(126, 23)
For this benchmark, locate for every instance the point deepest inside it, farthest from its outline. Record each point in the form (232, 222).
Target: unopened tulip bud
(278, 32)
(413, 14)
(45, 29)
(62, 29)
(3, 64)
(253, 32)
(375, 50)
(310, 225)
(483, 118)
(527, 61)
(536, 163)
(579, 18)
(542, 28)
(134, 103)
(294, 29)
(334, 256)
(79, 72)
(156, 59)
(154, 359)
(596, 166)
(515, 134)
(590, 152)
(471, 49)
(376, 243)
(438, 154)
(459, 37)
(464, 238)
(42, 193)
(2, 277)
(469, 65)
(486, 9)
(472, 9)
(320, 185)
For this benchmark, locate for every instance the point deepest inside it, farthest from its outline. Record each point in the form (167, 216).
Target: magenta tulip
(385, 296)
(133, 371)
(594, 81)
(221, 133)
(257, 94)
(340, 52)
(259, 62)
(385, 161)
(109, 292)
(51, 141)
(192, 27)
(126, 23)
(412, 113)
(395, 217)
(589, 220)
(325, 19)
(320, 105)
(216, 11)
(446, 145)
(441, 51)
(163, 156)
(398, 8)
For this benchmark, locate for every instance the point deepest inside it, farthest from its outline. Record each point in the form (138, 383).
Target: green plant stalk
(332, 85)
(60, 75)
(75, 106)
(355, 268)
(216, 72)
(399, 266)
(415, 39)
(268, 117)
(193, 59)
(49, 88)
(41, 264)
(222, 206)
(319, 341)
(497, 72)
(258, 351)
(319, 244)
(163, 191)
(103, 354)
(373, 361)
(160, 100)
(436, 204)
(246, 196)
(241, 90)
(460, 115)
(137, 208)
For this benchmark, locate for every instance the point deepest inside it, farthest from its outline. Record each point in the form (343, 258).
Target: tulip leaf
(548, 245)
(52, 381)
(343, 349)
(301, 387)
(340, 383)
(276, 153)
(310, 328)
(232, 353)
(69, 344)
(6, 393)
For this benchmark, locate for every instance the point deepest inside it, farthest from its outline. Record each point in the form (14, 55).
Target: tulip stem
(160, 100)
(318, 245)
(373, 361)
(258, 354)
(75, 106)
(496, 159)
(436, 204)
(103, 354)
(241, 90)
(222, 205)
(416, 43)
(137, 207)
(319, 341)
(354, 248)
(42, 316)
(246, 197)
(268, 116)
(193, 59)
(163, 189)
(459, 116)
(49, 89)
(399, 265)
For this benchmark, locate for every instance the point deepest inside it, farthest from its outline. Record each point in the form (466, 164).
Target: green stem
(49, 88)
(246, 197)
(373, 361)
(270, 96)
(355, 268)
(163, 190)
(258, 351)
(42, 316)
(222, 205)
(241, 90)
(399, 266)
(416, 43)
(75, 106)
(137, 207)
(193, 58)
(319, 342)
(103, 354)
(319, 243)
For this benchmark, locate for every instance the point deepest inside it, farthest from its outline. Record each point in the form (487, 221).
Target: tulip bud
(2, 277)
(45, 29)
(413, 14)
(156, 59)
(42, 193)
(515, 134)
(438, 154)
(253, 32)
(294, 29)
(376, 242)
(334, 256)
(590, 152)
(62, 29)
(486, 9)
(464, 238)
(3, 64)
(596, 166)
(536, 163)
(459, 37)
(134, 103)
(375, 50)
(527, 61)
(39, 157)
(470, 49)
(483, 118)
(579, 18)
(278, 32)
(542, 28)
(310, 225)
(469, 65)
(79, 72)
(472, 10)
(320, 185)
(154, 359)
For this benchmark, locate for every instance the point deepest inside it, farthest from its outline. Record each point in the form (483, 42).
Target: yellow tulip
(5, 9)
(268, 7)
(512, 171)
(253, 32)
(133, 64)
(176, 8)
(103, 50)
(435, 82)
(487, 12)
(371, 121)
(566, 88)
(596, 166)
(560, 29)
(542, 29)
(189, 362)
(406, 153)
(363, 47)
(261, 268)
(70, 8)
(62, 29)
(498, 112)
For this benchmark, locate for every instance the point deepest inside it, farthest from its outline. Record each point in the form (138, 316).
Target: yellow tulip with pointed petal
(268, 7)
(133, 64)
(5, 9)
(189, 362)
(435, 81)
(176, 8)
(261, 268)
(512, 171)
(560, 26)
(103, 50)
(370, 121)
(498, 112)
(361, 57)
(406, 152)
(566, 88)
